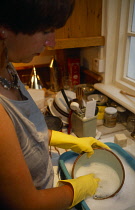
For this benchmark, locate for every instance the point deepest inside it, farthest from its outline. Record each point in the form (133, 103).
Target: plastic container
(83, 127)
(110, 117)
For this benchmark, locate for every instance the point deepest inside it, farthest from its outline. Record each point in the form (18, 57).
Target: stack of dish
(58, 106)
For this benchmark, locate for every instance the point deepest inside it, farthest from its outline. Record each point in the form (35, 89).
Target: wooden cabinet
(83, 28)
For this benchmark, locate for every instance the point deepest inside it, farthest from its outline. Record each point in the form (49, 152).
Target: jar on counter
(131, 123)
(110, 117)
(121, 114)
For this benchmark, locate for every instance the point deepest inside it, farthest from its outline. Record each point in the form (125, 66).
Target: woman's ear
(3, 33)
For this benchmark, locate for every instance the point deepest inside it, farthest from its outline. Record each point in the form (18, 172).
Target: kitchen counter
(104, 134)
(107, 135)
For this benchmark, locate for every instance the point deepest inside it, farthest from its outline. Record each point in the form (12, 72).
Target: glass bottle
(130, 122)
(110, 117)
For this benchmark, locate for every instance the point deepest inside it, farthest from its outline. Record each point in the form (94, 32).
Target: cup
(67, 83)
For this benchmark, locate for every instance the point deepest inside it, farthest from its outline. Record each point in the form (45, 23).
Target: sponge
(120, 139)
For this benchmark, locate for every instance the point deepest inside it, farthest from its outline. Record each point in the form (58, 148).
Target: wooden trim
(131, 34)
(30, 66)
(80, 42)
(93, 75)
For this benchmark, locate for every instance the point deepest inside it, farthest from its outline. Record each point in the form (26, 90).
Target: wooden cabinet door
(84, 22)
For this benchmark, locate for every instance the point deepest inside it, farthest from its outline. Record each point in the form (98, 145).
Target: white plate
(60, 101)
(54, 112)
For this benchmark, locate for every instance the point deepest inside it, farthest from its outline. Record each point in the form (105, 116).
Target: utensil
(75, 107)
(65, 97)
(79, 96)
(125, 93)
(87, 89)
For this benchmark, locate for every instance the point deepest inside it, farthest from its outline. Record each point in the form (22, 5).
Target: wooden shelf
(80, 42)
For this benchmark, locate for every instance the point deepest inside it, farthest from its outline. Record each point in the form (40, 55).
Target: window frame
(114, 29)
(124, 45)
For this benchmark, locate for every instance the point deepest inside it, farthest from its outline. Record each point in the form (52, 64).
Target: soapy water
(123, 200)
(106, 174)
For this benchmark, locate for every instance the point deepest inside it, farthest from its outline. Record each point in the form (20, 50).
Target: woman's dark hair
(30, 16)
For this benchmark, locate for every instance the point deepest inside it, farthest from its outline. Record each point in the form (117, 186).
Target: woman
(26, 175)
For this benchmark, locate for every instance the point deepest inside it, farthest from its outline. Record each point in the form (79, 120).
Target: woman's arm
(16, 186)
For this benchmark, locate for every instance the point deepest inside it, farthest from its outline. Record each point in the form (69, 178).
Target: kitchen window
(118, 27)
(131, 36)
(127, 42)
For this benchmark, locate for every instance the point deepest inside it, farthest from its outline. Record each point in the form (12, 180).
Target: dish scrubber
(120, 139)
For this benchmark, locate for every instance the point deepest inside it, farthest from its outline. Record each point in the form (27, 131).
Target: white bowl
(100, 99)
(106, 166)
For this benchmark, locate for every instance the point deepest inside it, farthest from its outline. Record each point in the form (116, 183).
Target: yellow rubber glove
(83, 187)
(85, 144)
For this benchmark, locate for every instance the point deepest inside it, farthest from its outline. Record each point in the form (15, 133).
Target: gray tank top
(32, 134)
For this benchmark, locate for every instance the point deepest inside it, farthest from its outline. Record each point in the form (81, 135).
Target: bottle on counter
(110, 117)
(54, 75)
(35, 82)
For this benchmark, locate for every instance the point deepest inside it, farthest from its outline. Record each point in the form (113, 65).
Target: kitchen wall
(86, 57)
(82, 29)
